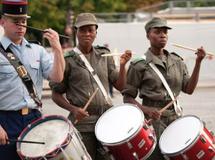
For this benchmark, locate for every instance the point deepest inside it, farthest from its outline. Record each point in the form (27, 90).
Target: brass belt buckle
(25, 111)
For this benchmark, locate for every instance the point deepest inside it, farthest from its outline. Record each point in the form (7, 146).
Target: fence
(196, 10)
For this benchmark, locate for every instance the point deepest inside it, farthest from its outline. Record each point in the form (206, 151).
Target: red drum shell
(192, 141)
(124, 133)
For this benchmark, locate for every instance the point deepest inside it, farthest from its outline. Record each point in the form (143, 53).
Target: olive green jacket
(143, 79)
(78, 83)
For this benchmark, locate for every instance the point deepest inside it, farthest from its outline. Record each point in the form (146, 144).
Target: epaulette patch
(69, 54)
(139, 59)
(102, 47)
(177, 55)
(34, 42)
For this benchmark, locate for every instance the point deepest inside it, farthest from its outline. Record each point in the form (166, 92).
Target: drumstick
(114, 54)
(88, 102)
(163, 109)
(167, 106)
(111, 54)
(22, 141)
(191, 49)
(37, 29)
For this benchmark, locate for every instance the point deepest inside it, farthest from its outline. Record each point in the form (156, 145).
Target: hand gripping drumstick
(88, 102)
(167, 106)
(191, 49)
(164, 108)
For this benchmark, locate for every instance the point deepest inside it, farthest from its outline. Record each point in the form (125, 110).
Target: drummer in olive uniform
(80, 83)
(141, 77)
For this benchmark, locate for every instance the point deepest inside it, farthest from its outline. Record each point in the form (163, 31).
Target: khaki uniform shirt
(78, 83)
(141, 77)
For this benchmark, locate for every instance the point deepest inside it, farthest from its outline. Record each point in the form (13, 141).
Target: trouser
(94, 147)
(159, 126)
(13, 123)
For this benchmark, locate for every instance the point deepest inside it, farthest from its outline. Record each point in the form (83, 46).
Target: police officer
(79, 84)
(142, 77)
(17, 107)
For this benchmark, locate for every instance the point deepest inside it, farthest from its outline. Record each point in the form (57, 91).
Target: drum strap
(178, 109)
(22, 72)
(94, 75)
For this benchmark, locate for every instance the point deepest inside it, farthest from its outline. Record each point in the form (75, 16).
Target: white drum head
(51, 130)
(180, 134)
(119, 123)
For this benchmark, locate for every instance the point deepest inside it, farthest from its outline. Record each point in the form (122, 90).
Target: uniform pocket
(6, 70)
(35, 65)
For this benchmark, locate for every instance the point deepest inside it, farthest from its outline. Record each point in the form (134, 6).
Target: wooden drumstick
(114, 54)
(167, 106)
(191, 49)
(88, 102)
(164, 108)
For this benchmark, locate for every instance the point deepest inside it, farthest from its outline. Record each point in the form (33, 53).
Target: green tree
(46, 14)
(98, 6)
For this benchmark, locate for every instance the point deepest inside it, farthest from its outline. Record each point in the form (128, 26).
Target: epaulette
(177, 55)
(136, 60)
(69, 54)
(34, 41)
(102, 47)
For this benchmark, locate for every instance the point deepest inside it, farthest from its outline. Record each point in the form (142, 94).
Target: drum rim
(34, 124)
(191, 144)
(129, 138)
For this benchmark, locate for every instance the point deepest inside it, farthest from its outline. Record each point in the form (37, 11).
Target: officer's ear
(147, 35)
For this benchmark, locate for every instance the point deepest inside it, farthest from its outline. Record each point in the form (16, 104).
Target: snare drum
(61, 139)
(187, 139)
(123, 132)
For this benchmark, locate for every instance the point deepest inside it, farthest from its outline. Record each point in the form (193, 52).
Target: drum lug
(211, 149)
(151, 137)
(141, 143)
(200, 154)
(213, 137)
(185, 156)
(147, 124)
(135, 156)
(203, 140)
(129, 145)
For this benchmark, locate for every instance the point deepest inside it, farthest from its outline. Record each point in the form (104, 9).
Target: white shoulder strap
(94, 75)
(177, 108)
